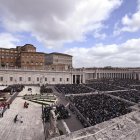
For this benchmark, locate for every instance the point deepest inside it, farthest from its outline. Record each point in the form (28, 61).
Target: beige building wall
(58, 61)
(34, 77)
(73, 76)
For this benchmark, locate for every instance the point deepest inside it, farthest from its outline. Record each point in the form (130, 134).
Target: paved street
(30, 129)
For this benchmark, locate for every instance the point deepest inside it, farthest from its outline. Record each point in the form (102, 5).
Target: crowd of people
(13, 88)
(126, 83)
(98, 108)
(3, 107)
(99, 85)
(103, 86)
(45, 89)
(73, 88)
(130, 95)
(137, 87)
(5, 104)
(113, 84)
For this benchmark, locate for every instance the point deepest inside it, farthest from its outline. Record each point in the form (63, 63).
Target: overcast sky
(96, 32)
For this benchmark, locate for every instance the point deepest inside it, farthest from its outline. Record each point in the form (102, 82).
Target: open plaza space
(29, 123)
(93, 112)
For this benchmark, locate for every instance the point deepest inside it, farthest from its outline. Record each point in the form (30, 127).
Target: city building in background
(58, 61)
(24, 57)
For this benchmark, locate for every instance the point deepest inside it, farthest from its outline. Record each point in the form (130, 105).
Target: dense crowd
(102, 86)
(135, 87)
(99, 108)
(73, 89)
(13, 88)
(130, 95)
(124, 82)
(45, 89)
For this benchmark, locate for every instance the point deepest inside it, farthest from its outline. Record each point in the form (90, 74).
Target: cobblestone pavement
(30, 129)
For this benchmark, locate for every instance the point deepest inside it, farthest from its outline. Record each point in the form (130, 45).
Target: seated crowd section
(45, 89)
(135, 87)
(73, 89)
(114, 84)
(101, 86)
(98, 108)
(130, 95)
(126, 83)
(13, 88)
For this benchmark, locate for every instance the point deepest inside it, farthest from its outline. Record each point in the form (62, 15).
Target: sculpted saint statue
(53, 122)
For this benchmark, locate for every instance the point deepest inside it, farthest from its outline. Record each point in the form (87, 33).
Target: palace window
(37, 78)
(29, 78)
(1, 78)
(53, 79)
(20, 78)
(11, 78)
(45, 78)
(67, 79)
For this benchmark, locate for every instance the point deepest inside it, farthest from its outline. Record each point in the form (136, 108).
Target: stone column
(83, 78)
(95, 75)
(124, 75)
(134, 76)
(71, 79)
(113, 75)
(98, 75)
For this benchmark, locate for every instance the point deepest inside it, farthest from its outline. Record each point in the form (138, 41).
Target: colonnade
(77, 79)
(129, 75)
